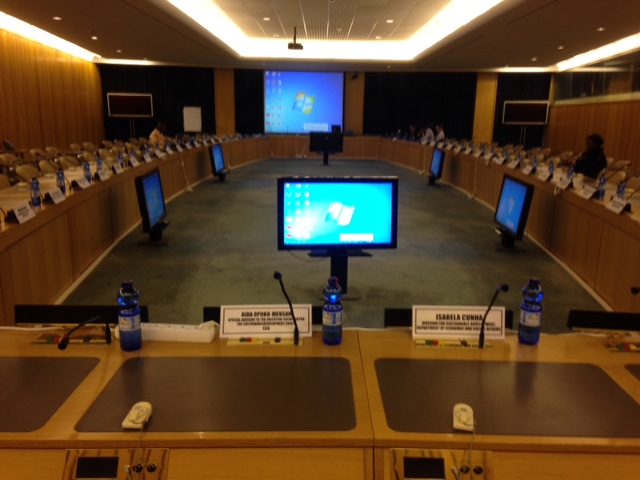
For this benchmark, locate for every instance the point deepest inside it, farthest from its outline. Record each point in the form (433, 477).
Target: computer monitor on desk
(151, 203)
(512, 210)
(437, 163)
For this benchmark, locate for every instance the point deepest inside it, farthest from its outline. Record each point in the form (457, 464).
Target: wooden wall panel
(48, 98)
(485, 111)
(225, 102)
(618, 123)
(353, 102)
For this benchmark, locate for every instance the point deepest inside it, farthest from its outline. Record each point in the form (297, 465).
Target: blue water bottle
(552, 168)
(60, 182)
(602, 184)
(129, 317)
(121, 159)
(36, 197)
(530, 313)
(332, 313)
(99, 163)
(87, 171)
(622, 186)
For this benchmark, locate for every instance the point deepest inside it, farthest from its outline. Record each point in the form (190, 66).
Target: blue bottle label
(332, 319)
(530, 319)
(129, 323)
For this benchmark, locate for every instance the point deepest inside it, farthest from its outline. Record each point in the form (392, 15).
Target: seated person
(427, 135)
(157, 136)
(411, 134)
(439, 133)
(593, 160)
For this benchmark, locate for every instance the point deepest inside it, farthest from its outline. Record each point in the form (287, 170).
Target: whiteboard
(192, 119)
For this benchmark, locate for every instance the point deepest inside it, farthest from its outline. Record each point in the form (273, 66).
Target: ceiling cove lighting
(453, 16)
(610, 50)
(13, 25)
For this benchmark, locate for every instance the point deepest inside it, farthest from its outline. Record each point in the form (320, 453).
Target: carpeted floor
(221, 249)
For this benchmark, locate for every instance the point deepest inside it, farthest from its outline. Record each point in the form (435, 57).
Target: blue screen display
(154, 198)
(330, 213)
(511, 204)
(436, 162)
(302, 102)
(218, 158)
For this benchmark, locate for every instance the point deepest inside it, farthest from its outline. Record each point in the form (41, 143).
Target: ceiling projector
(295, 45)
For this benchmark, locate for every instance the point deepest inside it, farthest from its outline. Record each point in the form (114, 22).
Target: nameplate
(133, 161)
(102, 175)
(468, 150)
(499, 160)
(477, 154)
(456, 322)
(488, 155)
(617, 204)
(168, 150)
(457, 150)
(196, 143)
(82, 183)
(158, 153)
(118, 168)
(448, 147)
(440, 144)
(588, 191)
(544, 176)
(432, 143)
(56, 196)
(564, 183)
(205, 142)
(513, 164)
(178, 148)
(24, 213)
(147, 158)
(527, 170)
(263, 321)
(189, 146)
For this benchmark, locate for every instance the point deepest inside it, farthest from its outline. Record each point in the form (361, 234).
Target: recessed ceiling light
(57, 19)
(600, 29)
(118, 51)
(390, 21)
(93, 37)
(534, 59)
(266, 19)
(388, 66)
(378, 37)
(560, 47)
(276, 35)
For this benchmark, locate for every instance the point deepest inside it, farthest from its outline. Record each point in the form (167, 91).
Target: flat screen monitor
(130, 105)
(150, 199)
(217, 159)
(513, 206)
(527, 112)
(326, 142)
(302, 102)
(437, 162)
(317, 213)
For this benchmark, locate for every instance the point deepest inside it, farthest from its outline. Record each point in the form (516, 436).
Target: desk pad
(33, 388)
(508, 398)
(230, 394)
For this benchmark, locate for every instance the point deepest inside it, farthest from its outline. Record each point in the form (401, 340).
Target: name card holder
(499, 160)
(158, 153)
(117, 168)
(179, 148)
(617, 204)
(565, 183)
(168, 150)
(544, 176)
(448, 147)
(488, 156)
(81, 183)
(147, 158)
(440, 144)
(133, 161)
(440, 325)
(477, 154)
(588, 191)
(102, 175)
(263, 322)
(527, 170)
(513, 164)
(457, 150)
(468, 150)
(55, 196)
(24, 213)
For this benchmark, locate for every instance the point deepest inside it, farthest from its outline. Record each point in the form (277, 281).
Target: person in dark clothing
(593, 160)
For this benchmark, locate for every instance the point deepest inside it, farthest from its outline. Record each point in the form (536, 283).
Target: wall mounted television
(512, 210)
(130, 105)
(329, 213)
(303, 102)
(437, 164)
(526, 112)
(151, 203)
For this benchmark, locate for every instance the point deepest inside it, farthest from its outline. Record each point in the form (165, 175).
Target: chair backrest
(89, 157)
(47, 167)
(633, 183)
(7, 159)
(68, 162)
(4, 182)
(76, 147)
(38, 153)
(90, 147)
(53, 150)
(27, 172)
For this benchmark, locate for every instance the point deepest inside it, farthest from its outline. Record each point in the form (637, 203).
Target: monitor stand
(155, 233)
(325, 157)
(432, 180)
(506, 239)
(340, 262)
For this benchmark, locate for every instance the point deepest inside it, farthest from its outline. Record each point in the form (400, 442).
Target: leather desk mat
(33, 388)
(507, 398)
(634, 369)
(238, 394)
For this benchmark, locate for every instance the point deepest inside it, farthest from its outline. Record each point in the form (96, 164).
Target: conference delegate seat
(68, 162)
(617, 177)
(89, 147)
(107, 144)
(38, 154)
(27, 172)
(89, 157)
(53, 151)
(633, 183)
(76, 147)
(4, 182)
(46, 166)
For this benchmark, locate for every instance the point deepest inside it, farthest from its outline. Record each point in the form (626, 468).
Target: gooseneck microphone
(296, 332)
(501, 288)
(64, 341)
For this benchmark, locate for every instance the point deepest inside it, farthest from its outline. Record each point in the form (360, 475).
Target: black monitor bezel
(393, 244)
(142, 200)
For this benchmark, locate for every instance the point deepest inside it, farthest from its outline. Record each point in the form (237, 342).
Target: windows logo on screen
(304, 102)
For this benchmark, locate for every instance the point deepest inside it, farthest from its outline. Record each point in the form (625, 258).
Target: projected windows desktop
(347, 214)
(302, 102)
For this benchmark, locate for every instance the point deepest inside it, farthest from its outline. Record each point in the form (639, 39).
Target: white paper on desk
(56, 196)
(147, 158)
(617, 204)
(263, 321)
(513, 164)
(527, 170)
(24, 213)
(118, 168)
(588, 191)
(454, 322)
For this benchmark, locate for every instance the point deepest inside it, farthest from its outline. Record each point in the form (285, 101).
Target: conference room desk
(511, 388)
(41, 258)
(210, 375)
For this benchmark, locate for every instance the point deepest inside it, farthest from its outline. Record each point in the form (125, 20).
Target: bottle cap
(533, 281)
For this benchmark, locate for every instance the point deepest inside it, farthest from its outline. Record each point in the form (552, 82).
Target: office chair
(27, 172)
